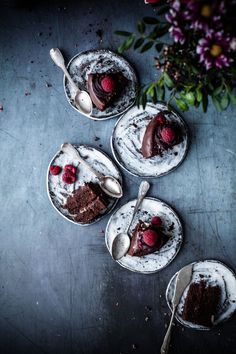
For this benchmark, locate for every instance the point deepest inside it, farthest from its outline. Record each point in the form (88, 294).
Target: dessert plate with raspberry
(209, 299)
(109, 79)
(156, 235)
(150, 142)
(74, 190)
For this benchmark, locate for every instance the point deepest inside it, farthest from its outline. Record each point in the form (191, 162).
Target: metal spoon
(121, 242)
(108, 184)
(82, 99)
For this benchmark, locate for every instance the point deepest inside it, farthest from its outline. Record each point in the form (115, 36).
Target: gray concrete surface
(60, 291)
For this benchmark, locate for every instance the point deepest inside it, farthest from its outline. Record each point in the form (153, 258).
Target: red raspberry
(70, 168)
(150, 237)
(156, 221)
(108, 84)
(161, 118)
(168, 135)
(55, 170)
(68, 178)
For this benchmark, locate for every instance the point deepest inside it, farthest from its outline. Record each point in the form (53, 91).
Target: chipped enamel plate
(127, 137)
(102, 61)
(214, 273)
(150, 207)
(58, 191)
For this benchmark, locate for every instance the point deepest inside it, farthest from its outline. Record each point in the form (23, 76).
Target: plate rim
(164, 173)
(60, 213)
(200, 328)
(180, 243)
(117, 55)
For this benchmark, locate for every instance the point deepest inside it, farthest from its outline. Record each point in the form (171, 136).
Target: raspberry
(161, 118)
(150, 237)
(168, 135)
(68, 178)
(156, 221)
(70, 168)
(108, 84)
(55, 170)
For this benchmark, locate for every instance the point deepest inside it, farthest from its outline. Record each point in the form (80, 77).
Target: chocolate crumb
(96, 138)
(48, 84)
(1, 108)
(27, 93)
(171, 227)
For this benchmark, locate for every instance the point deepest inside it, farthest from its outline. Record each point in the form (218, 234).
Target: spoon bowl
(121, 242)
(82, 99)
(111, 186)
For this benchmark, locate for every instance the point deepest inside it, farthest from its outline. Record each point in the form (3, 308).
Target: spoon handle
(58, 59)
(143, 189)
(166, 341)
(69, 149)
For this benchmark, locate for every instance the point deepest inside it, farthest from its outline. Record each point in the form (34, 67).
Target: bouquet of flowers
(197, 59)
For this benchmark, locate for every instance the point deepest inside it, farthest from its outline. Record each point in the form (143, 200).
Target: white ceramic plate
(127, 137)
(150, 207)
(215, 273)
(58, 191)
(102, 61)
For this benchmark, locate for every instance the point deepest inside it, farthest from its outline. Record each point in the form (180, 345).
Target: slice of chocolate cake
(87, 203)
(160, 135)
(201, 304)
(146, 238)
(103, 88)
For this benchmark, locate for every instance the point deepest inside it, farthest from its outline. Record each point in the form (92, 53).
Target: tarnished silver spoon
(82, 99)
(121, 242)
(108, 184)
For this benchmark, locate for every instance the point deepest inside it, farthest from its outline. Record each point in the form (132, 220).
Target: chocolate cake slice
(146, 239)
(103, 88)
(160, 135)
(87, 203)
(202, 303)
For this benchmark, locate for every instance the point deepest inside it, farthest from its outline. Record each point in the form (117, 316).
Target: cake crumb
(1, 108)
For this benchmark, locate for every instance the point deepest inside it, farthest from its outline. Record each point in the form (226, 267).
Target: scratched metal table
(60, 291)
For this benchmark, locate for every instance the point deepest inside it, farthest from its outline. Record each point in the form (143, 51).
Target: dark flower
(214, 50)
(204, 13)
(175, 18)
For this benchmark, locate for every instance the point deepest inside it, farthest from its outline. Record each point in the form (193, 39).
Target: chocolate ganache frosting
(160, 135)
(103, 88)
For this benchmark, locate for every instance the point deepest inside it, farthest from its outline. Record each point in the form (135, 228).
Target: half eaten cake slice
(202, 303)
(147, 238)
(87, 202)
(103, 88)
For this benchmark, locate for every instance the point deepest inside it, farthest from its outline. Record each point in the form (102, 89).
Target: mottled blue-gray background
(60, 291)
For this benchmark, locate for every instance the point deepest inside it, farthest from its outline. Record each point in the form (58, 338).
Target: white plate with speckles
(58, 191)
(102, 61)
(150, 207)
(214, 273)
(127, 137)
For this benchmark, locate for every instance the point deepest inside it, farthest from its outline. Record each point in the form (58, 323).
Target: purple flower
(204, 13)
(214, 50)
(175, 18)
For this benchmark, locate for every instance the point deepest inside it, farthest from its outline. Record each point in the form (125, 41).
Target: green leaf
(181, 104)
(138, 43)
(146, 47)
(216, 103)
(144, 100)
(204, 101)
(217, 91)
(168, 81)
(123, 33)
(126, 44)
(150, 89)
(159, 46)
(141, 27)
(232, 98)
(189, 97)
(198, 95)
(150, 20)
(224, 102)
